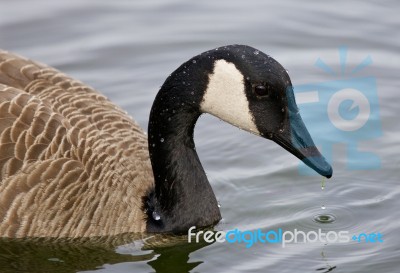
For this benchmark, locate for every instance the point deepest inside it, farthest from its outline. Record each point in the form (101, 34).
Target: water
(126, 49)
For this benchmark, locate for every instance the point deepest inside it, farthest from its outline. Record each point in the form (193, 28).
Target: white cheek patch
(225, 97)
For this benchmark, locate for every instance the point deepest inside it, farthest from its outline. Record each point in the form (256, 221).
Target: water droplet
(156, 216)
(243, 56)
(323, 207)
(281, 130)
(283, 110)
(55, 260)
(256, 52)
(162, 140)
(154, 145)
(219, 204)
(248, 78)
(192, 93)
(194, 61)
(169, 119)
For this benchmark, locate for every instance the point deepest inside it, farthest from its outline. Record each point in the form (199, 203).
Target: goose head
(238, 84)
(252, 91)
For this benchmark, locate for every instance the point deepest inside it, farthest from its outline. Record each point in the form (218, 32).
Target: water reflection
(175, 259)
(40, 255)
(328, 267)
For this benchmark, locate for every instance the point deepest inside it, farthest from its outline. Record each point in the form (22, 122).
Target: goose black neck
(182, 196)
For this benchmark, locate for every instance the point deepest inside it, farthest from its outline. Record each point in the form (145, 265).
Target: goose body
(73, 164)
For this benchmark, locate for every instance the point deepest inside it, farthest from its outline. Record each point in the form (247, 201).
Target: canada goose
(72, 164)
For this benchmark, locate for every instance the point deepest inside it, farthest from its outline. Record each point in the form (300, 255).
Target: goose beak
(296, 139)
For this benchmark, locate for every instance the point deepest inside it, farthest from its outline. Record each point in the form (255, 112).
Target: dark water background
(126, 49)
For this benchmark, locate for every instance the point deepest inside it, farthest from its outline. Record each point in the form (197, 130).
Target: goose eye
(261, 90)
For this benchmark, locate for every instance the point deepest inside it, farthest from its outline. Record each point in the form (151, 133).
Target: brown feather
(72, 164)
